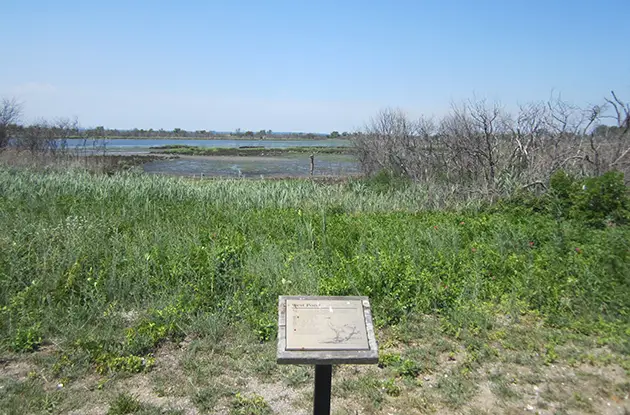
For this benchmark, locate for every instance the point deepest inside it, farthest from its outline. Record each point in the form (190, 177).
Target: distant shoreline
(226, 137)
(246, 151)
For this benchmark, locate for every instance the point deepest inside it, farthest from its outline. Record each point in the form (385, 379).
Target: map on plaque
(326, 325)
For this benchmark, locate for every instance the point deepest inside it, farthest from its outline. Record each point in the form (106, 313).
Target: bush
(601, 200)
(27, 340)
(385, 181)
(594, 201)
(256, 405)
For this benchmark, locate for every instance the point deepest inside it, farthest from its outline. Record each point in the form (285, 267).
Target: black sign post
(323, 383)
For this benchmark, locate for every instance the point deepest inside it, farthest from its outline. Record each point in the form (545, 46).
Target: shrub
(26, 340)
(602, 199)
(595, 201)
(385, 181)
(256, 405)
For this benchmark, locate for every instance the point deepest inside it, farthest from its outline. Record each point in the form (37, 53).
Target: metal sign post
(325, 331)
(323, 383)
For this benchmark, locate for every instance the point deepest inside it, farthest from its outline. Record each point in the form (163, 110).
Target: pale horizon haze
(314, 66)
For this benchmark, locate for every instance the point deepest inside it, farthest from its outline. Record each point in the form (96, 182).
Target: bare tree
(47, 137)
(475, 137)
(621, 146)
(10, 113)
(389, 142)
(486, 149)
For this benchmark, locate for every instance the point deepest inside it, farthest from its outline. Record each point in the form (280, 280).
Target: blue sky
(302, 65)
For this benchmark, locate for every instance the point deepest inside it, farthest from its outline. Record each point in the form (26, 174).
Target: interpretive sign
(325, 330)
(326, 325)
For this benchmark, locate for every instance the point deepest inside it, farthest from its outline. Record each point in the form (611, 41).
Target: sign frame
(328, 356)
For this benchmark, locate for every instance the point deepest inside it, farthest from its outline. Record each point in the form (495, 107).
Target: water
(117, 145)
(293, 165)
(234, 166)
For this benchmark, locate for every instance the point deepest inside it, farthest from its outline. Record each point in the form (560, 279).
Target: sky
(311, 66)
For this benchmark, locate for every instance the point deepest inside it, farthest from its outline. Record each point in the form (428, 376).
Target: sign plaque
(325, 330)
(326, 325)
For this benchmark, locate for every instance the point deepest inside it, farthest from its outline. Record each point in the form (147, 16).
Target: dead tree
(10, 113)
(621, 150)
(485, 148)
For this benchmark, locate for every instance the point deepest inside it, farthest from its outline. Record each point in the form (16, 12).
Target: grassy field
(144, 294)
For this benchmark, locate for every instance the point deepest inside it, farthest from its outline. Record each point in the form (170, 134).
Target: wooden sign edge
(326, 356)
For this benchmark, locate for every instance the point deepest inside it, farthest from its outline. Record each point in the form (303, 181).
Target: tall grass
(106, 267)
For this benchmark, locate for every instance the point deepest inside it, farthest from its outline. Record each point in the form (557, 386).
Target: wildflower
(473, 249)
(435, 227)
(578, 250)
(531, 243)
(462, 222)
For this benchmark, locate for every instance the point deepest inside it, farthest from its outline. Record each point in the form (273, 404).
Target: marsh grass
(248, 151)
(102, 271)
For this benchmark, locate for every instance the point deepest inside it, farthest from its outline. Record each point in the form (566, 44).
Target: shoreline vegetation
(247, 150)
(77, 160)
(210, 138)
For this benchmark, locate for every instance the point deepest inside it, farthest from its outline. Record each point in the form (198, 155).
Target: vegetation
(101, 132)
(494, 250)
(10, 112)
(99, 274)
(247, 151)
(73, 159)
(52, 133)
(489, 150)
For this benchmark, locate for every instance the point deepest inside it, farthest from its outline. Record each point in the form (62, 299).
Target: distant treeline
(178, 133)
(41, 131)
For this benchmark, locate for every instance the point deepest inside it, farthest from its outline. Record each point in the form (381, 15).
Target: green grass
(28, 396)
(106, 269)
(125, 403)
(255, 405)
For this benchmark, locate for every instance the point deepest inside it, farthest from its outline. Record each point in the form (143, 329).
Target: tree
(10, 112)
(334, 134)
(48, 136)
(482, 147)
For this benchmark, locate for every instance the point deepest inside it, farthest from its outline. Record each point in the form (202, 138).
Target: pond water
(234, 166)
(293, 165)
(116, 145)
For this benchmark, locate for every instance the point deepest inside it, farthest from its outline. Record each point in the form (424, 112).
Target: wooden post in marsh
(325, 331)
(312, 164)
